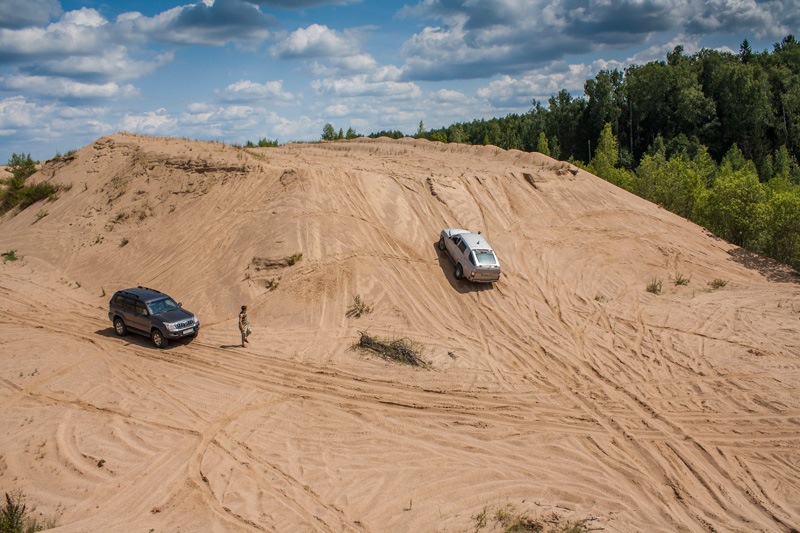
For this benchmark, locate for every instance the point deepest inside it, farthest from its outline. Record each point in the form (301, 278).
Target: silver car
(472, 256)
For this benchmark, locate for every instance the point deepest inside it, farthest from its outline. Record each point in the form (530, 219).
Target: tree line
(713, 98)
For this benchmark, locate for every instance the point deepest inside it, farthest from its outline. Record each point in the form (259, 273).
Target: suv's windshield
(162, 306)
(485, 257)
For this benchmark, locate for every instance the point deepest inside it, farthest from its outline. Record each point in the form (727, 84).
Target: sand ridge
(565, 387)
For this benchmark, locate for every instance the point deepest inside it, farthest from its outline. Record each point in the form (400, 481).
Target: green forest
(713, 137)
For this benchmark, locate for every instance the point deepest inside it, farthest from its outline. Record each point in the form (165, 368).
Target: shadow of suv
(151, 313)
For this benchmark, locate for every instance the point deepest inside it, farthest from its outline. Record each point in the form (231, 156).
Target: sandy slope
(566, 387)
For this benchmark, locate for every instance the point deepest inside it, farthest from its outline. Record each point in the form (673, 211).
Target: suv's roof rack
(147, 289)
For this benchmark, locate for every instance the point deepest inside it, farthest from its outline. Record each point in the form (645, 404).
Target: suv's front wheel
(158, 339)
(119, 327)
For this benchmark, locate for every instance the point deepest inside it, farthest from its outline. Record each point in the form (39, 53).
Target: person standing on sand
(244, 326)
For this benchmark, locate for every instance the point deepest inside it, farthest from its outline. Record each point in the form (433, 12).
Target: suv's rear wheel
(119, 327)
(459, 271)
(158, 339)
(441, 243)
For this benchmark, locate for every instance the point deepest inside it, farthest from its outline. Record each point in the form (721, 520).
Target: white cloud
(83, 17)
(355, 63)
(18, 113)
(770, 18)
(303, 4)
(111, 63)
(25, 124)
(482, 39)
(332, 54)
(443, 52)
(21, 13)
(245, 90)
(207, 23)
(361, 85)
(313, 42)
(449, 96)
(337, 110)
(76, 33)
(157, 122)
(509, 92)
(66, 88)
(240, 123)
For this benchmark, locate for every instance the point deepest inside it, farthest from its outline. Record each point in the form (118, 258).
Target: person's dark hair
(244, 307)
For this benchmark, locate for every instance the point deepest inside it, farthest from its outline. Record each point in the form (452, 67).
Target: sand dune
(567, 387)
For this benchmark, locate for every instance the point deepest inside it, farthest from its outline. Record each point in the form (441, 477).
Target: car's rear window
(485, 257)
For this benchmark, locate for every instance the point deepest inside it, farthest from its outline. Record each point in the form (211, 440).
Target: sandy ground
(564, 388)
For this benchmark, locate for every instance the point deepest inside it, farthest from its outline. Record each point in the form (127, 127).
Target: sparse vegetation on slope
(10, 255)
(359, 307)
(680, 279)
(16, 193)
(15, 516)
(511, 520)
(294, 259)
(654, 286)
(717, 283)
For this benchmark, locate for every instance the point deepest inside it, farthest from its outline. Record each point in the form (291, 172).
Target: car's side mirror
(143, 312)
(180, 304)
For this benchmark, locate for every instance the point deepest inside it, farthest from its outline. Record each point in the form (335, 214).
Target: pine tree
(542, 146)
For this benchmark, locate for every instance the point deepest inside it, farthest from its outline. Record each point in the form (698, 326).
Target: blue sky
(72, 71)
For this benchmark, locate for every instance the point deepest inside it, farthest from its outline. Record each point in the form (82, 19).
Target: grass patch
(358, 308)
(14, 516)
(66, 157)
(509, 520)
(24, 196)
(10, 255)
(680, 280)
(272, 284)
(654, 286)
(33, 193)
(718, 283)
(294, 258)
(398, 350)
(41, 214)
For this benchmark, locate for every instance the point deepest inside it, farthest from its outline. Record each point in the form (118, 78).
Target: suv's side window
(462, 246)
(140, 308)
(124, 302)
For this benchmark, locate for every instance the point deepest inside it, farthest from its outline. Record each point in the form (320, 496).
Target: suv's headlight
(171, 327)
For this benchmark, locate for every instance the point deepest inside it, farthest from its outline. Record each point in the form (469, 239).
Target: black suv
(151, 313)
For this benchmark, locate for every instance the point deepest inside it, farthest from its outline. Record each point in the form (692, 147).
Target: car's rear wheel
(441, 243)
(119, 327)
(459, 271)
(158, 339)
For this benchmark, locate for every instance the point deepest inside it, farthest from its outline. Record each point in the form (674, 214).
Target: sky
(72, 71)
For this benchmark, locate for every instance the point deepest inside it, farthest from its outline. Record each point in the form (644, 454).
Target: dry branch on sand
(399, 350)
